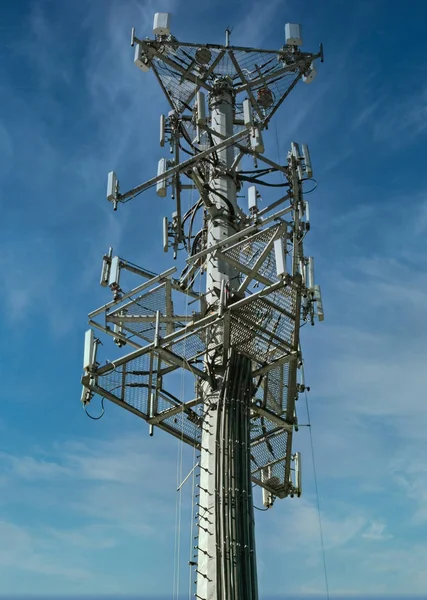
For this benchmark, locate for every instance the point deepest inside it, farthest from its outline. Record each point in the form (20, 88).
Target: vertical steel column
(226, 564)
(223, 195)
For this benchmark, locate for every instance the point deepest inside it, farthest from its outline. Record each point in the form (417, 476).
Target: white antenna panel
(279, 253)
(113, 280)
(310, 282)
(247, 113)
(257, 143)
(161, 185)
(297, 155)
(118, 329)
(165, 234)
(307, 160)
(201, 108)
(293, 36)
(267, 496)
(161, 25)
(106, 267)
(140, 59)
(252, 198)
(298, 478)
(112, 186)
(318, 296)
(162, 130)
(308, 78)
(307, 212)
(89, 350)
(295, 150)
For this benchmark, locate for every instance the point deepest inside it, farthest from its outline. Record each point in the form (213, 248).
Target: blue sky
(91, 507)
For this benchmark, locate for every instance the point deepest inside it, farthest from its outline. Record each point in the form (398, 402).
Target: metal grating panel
(254, 70)
(274, 387)
(270, 453)
(184, 426)
(189, 347)
(249, 251)
(138, 315)
(275, 328)
(130, 382)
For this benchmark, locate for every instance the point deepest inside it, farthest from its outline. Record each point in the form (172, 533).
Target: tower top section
(265, 77)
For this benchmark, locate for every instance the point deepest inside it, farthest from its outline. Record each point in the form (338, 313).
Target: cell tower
(241, 340)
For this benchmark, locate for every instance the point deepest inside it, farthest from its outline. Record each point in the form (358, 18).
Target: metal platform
(262, 326)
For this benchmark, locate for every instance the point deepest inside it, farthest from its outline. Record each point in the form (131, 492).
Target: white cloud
(364, 116)
(300, 522)
(256, 24)
(409, 472)
(90, 537)
(401, 121)
(92, 496)
(108, 481)
(47, 272)
(376, 532)
(30, 468)
(19, 551)
(365, 365)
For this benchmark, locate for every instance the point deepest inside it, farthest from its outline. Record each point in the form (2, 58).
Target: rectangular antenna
(161, 25)
(165, 234)
(162, 130)
(295, 150)
(307, 212)
(201, 108)
(310, 282)
(106, 265)
(257, 143)
(114, 279)
(318, 296)
(279, 253)
(297, 155)
(252, 198)
(307, 160)
(112, 186)
(140, 60)
(161, 185)
(310, 76)
(267, 496)
(298, 478)
(89, 354)
(247, 113)
(118, 330)
(293, 36)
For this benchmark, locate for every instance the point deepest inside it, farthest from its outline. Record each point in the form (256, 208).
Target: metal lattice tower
(241, 342)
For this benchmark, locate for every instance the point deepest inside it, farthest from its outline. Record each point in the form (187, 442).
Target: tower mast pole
(226, 565)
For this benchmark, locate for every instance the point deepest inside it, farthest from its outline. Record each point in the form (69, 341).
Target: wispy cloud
(256, 24)
(87, 495)
(66, 164)
(403, 120)
(19, 551)
(377, 532)
(30, 468)
(92, 537)
(301, 523)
